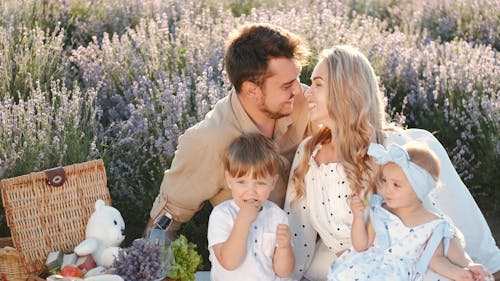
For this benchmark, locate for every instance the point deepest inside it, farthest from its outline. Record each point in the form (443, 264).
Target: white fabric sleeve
(456, 202)
(220, 225)
(300, 225)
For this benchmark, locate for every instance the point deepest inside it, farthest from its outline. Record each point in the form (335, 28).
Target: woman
(333, 164)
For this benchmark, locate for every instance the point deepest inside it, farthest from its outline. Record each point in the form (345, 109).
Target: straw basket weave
(11, 268)
(48, 213)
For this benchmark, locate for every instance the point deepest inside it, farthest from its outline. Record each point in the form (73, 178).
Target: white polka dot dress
(327, 192)
(322, 213)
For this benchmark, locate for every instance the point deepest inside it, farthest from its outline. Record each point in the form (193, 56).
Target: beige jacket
(197, 172)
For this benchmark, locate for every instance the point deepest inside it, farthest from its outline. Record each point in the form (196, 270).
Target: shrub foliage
(121, 80)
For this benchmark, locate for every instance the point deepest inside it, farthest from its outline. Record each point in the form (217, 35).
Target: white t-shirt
(258, 261)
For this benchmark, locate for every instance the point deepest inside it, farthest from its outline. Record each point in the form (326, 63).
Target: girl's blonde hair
(355, 104)
(252, 153)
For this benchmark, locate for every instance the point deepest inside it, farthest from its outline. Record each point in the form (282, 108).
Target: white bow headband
(420, 180)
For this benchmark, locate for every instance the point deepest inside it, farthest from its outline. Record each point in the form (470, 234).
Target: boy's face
(396, 188)
(247, 190)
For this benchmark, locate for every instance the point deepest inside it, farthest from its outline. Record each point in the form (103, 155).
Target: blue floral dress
(398, 252)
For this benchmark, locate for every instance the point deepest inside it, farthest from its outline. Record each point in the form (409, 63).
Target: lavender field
(121, 80)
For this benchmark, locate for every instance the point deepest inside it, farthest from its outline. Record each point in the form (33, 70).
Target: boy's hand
(249, 211)
(283, 236)
(357, 207)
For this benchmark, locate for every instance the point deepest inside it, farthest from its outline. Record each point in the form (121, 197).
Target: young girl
(402, 239)
(248, 236)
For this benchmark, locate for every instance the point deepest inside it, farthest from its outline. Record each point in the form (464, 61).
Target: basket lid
(43, 218)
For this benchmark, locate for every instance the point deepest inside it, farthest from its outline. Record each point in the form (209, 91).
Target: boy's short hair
(252, 153)
(249, 49)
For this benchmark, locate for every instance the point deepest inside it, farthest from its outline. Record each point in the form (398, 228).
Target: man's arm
(191, 179)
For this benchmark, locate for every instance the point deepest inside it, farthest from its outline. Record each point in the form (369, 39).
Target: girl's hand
(283, 236)
(357, 207)
(479, 272)
(464, 274)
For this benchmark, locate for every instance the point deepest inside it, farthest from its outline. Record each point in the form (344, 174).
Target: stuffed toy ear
(99, 204)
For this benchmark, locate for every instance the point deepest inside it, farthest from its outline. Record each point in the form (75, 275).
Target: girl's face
(246, 189)
(317, 94)
(396, 188)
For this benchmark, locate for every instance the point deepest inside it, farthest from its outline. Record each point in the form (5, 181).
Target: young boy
(248, 236)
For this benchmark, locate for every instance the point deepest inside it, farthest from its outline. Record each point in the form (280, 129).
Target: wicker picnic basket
(10, 265)
(48, 211)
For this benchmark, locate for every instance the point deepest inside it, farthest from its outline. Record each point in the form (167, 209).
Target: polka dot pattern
(324, 212)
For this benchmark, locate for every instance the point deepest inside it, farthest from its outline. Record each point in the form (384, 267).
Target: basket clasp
(56, 176)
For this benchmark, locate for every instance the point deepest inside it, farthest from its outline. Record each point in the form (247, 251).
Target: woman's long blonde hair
(355, 104)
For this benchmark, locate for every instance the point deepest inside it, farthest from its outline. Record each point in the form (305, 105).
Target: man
(263, 63)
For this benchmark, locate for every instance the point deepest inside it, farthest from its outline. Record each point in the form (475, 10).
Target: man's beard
(268, 112)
